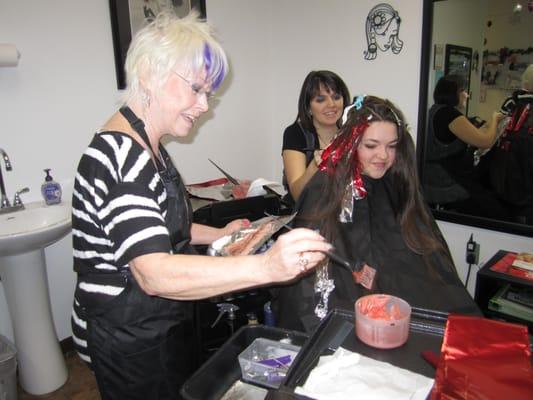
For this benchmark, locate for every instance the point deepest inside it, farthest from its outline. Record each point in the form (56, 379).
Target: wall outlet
(472, 251)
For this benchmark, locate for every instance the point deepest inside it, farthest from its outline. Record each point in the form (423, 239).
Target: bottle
(50, 189)
(270, 319)
(252, 319)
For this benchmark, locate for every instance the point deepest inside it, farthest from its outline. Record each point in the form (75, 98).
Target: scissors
(230, 178)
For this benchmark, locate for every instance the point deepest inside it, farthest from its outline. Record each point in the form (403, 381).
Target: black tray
(222, 370)
(220, 213)
(337, 329)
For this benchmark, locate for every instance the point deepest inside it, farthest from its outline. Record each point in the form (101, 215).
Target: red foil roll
(483, 359)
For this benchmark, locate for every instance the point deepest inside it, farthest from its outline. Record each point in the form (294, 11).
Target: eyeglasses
(197, 89)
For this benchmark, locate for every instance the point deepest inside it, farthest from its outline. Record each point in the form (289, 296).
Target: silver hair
(169, 41)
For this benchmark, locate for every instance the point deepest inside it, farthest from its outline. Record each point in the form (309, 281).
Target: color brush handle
(335, 257)
(339, 260)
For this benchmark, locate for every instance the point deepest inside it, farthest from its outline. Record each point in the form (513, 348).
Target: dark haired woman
(322, 99)
(366, 200)
(450, 177)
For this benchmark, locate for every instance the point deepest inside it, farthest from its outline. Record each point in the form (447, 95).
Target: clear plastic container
(265, 362)
(382, 320)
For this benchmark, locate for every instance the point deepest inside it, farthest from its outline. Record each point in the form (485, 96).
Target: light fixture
(517, 8)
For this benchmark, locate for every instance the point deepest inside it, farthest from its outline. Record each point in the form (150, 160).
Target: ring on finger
(302, 261)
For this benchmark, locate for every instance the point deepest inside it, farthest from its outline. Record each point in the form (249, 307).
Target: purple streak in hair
(214, 70)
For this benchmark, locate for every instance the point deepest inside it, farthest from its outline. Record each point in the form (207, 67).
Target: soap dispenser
(50, 189)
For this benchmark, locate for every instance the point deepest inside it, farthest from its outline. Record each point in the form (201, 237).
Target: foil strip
(347, 203)
(324, 286)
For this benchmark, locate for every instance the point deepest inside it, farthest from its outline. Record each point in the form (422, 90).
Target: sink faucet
(5, 205)
(4, 201)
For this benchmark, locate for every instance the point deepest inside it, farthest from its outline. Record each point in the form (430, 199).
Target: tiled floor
(80, 384)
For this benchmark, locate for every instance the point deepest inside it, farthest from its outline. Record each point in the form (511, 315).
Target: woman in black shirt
(322, 99)
(450, 177)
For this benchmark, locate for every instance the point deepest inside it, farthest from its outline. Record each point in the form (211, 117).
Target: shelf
(489, 282)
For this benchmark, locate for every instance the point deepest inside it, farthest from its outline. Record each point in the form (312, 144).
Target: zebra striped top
(119, 205)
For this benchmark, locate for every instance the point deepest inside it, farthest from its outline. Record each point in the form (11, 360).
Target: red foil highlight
(345, 146)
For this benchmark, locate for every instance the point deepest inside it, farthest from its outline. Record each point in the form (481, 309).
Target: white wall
(467, 31)
(64, 89)
(490, 242)
(511, 30)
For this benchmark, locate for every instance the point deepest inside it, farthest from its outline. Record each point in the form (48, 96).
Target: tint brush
(362, 273)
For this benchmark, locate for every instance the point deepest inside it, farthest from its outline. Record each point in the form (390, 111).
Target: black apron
(440, 184)
(140, 345)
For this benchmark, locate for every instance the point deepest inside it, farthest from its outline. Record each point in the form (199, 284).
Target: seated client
(366, 200)
(510, 162)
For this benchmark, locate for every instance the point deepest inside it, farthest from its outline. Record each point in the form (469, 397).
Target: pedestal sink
(23, 236)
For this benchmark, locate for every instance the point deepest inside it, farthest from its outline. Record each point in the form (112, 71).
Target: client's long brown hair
(418, 227)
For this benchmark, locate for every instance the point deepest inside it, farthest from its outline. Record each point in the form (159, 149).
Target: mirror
(472, 34)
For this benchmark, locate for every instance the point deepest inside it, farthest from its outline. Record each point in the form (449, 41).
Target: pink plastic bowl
(382, 320)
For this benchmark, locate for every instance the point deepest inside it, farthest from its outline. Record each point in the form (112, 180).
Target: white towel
(348, 375)
(256, 187)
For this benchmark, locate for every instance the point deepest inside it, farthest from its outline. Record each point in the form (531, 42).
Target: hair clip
(345, 113)
(357, 103)
(398, 120)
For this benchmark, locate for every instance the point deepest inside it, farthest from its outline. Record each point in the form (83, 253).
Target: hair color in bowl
(382, 320)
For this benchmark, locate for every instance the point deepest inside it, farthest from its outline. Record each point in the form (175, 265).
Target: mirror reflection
(477, 157)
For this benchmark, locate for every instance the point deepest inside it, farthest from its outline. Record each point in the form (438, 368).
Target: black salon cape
(374, 237)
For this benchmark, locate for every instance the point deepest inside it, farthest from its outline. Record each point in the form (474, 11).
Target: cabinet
(489, 282)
